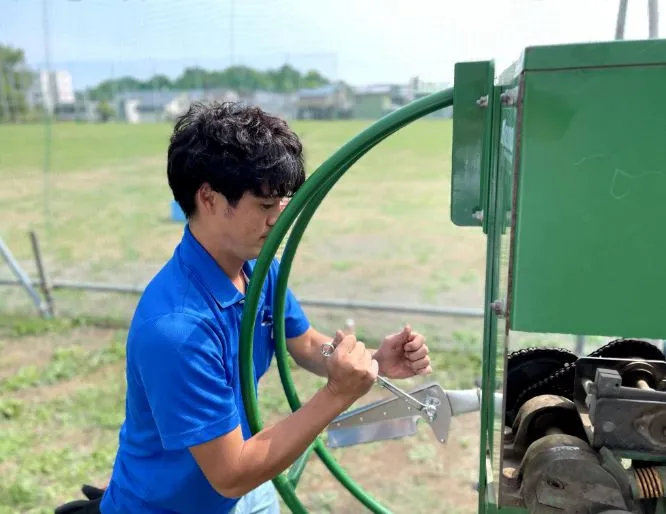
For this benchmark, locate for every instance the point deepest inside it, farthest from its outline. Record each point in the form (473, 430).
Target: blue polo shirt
(183, 381)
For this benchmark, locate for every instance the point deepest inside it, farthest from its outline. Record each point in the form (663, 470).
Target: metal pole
(23, 279)
(621, 20)
(653, 18)
(42, 274)
(424, 310)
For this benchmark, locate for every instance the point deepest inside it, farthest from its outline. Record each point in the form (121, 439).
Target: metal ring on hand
(327, 349)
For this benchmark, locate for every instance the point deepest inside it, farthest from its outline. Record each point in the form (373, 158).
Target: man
(185, 446)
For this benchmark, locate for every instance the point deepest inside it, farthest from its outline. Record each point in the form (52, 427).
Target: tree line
(16, 78)
(243, 79)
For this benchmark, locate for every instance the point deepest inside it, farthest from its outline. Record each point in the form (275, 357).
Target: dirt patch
(111, 372)
(37, 350)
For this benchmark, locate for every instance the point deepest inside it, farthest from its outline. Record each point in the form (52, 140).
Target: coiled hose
(300, 209)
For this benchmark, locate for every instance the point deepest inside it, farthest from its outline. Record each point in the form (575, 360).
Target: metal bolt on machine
(561, 162)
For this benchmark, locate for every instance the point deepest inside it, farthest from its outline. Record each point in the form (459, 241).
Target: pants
(262, 500)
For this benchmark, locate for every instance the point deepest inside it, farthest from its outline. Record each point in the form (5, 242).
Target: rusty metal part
(561, 382)
(541, 416)
(650, 482)
(562, 474)
(627, 418)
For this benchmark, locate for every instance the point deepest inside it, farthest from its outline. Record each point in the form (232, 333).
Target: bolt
(498, 307)
(505, 99)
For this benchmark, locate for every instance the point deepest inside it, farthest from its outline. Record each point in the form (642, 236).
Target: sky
(359, 41)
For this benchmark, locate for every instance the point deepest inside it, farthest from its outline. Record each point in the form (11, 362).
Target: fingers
(415, 342)
(415, 355)
(346, 343)
(416, 352)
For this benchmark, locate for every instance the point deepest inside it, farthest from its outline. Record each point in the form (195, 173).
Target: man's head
(229, 166)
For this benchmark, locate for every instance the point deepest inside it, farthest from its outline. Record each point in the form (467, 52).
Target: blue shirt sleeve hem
(297, 328)
(201, 435)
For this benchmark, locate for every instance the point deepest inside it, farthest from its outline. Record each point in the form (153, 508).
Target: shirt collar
(214, 279)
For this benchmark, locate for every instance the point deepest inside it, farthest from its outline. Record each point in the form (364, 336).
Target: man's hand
(403, 355)
(351, 369)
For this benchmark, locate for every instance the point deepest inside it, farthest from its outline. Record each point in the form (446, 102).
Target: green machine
(561, 162)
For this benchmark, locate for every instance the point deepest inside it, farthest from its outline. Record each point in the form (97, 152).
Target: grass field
(383, 234)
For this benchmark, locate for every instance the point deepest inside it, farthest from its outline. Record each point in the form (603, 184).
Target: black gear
(561, 381)
(528, 366)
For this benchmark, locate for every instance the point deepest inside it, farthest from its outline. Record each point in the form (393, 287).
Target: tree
(15, 80)
(243, 79)
(105, 111)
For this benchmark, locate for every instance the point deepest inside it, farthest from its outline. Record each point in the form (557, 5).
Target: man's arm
(234, 466)
(306, 351)
(181, 363)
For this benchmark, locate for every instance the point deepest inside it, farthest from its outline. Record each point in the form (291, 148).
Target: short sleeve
(296, 322)
(179, 361)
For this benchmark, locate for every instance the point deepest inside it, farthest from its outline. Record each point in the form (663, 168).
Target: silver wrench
(327, 350)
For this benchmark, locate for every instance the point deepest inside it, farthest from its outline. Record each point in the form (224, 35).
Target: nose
(272, 219)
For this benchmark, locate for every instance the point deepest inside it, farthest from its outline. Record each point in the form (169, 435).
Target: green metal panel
(590, 217)
(471, 139)
(594, 55)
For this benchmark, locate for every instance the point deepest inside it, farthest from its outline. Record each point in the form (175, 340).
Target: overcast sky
(360, 41)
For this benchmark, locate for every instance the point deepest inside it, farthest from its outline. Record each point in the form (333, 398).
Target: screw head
(498, 307)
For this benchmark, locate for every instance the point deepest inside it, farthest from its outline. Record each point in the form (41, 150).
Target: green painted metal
(594, 55)
(590, 184)
(472, 118)
(303, 206)
(489, 330)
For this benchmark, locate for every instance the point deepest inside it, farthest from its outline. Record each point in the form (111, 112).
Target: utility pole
(653, 18)
(621, 19)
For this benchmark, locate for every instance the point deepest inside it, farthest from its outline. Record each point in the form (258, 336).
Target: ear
(208, 200)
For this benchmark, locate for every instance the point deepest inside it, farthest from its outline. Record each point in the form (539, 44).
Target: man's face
(245, 227)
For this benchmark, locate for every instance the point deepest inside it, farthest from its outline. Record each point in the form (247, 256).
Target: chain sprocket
(528, 366)
(561, 381)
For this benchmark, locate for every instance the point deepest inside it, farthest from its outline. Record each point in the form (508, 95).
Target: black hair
(235, 148)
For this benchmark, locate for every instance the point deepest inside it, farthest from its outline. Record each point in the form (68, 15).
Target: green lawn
(101, 213)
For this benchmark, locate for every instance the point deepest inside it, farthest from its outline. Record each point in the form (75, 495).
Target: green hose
(302, 207)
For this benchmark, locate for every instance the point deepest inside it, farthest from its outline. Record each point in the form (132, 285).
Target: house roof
(161, 98)
(328, 89)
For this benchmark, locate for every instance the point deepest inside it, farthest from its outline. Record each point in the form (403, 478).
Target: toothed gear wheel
(528, 366)
(561, 381)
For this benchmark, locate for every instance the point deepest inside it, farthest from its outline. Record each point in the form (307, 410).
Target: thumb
(374, 369)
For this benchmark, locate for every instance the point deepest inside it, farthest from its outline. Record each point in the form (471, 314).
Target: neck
(231, 264)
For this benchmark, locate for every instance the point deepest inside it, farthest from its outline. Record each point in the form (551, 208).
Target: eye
(268, 206)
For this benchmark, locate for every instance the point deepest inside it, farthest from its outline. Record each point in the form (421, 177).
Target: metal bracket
(395, 418)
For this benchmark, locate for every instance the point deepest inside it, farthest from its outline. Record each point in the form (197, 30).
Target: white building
(49, 89)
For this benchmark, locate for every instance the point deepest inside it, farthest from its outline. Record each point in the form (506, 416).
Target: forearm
(309, 356)
(275, 448)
